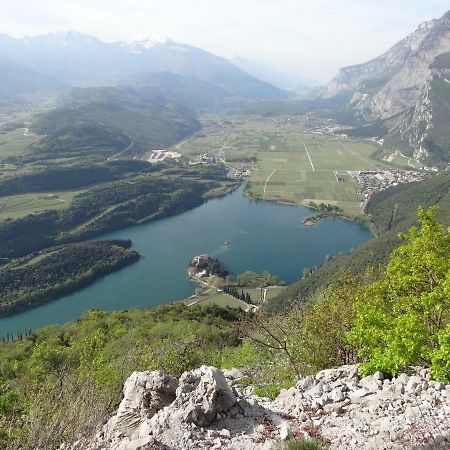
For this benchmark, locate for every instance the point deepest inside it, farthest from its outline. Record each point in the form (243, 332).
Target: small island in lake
(324, 210)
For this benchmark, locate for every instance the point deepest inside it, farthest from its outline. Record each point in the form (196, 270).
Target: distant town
(371, 181)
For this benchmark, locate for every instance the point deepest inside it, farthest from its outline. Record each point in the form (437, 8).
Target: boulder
(285, 430)
(233, 374)
(202, 394)
(144, 394)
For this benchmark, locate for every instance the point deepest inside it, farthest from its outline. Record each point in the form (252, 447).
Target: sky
(306, 39)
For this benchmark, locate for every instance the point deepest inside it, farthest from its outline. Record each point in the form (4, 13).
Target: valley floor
(284, 160)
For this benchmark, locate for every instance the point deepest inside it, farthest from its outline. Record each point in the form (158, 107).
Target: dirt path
(265, 184)
(178, 146)
(309, 157)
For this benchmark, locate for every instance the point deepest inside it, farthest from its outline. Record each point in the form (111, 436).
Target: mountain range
(75, 59)
(404, 94)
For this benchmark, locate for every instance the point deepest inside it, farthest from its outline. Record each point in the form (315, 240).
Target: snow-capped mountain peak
(144, 42)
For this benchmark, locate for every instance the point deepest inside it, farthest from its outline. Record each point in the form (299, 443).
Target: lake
(261, 235)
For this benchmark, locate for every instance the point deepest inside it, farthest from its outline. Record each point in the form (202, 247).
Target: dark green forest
(40, 277)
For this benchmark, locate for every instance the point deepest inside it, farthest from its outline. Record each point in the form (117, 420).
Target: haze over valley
(192, 228)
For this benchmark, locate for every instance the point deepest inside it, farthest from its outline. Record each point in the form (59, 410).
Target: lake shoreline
(87, 278)
(364, 219)
(262, 236)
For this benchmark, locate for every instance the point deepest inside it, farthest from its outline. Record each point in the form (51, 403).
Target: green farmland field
(212, 297)
(16, 142)
(289, 163)
(16, 206)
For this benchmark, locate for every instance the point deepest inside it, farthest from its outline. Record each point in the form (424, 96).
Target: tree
(402, 319)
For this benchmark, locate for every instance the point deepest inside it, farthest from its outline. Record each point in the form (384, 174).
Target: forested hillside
(42, 276)
(54, 178)
(87, 140)
(195, 93)
(16, 79)
(148, 118)
(132, 199)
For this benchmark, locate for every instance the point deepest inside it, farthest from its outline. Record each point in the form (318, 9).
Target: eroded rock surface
(206, 410)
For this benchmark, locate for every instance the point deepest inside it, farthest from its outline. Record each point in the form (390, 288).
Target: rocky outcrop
(206, 409)
(404, 89)
(396, 89)
(372, 412)
(389, 62)
(202, 395)
(144, 394)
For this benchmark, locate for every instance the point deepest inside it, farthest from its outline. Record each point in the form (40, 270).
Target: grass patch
(213, 297)
(16, 206)
(16, 142)
(271, 391)
(302, 444)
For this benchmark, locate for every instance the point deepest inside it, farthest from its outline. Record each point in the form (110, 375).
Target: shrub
(302, 444)
(310, 337)
(271, 391)
(403, 319)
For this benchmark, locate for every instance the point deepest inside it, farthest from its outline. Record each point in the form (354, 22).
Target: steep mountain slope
(82, 60)
(147, 118)
(167, 55)
(404, 90)
(377, 71)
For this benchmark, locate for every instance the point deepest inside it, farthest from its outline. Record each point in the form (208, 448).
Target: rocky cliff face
(387, 64)
(206, 409)
(398, 86)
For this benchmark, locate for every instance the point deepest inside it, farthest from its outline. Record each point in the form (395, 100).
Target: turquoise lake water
(261, 235)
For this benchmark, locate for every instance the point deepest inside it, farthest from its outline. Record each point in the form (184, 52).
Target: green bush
(60, 382)
(271, 391)
(440, 367)
(403, 319)
(302, 444)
